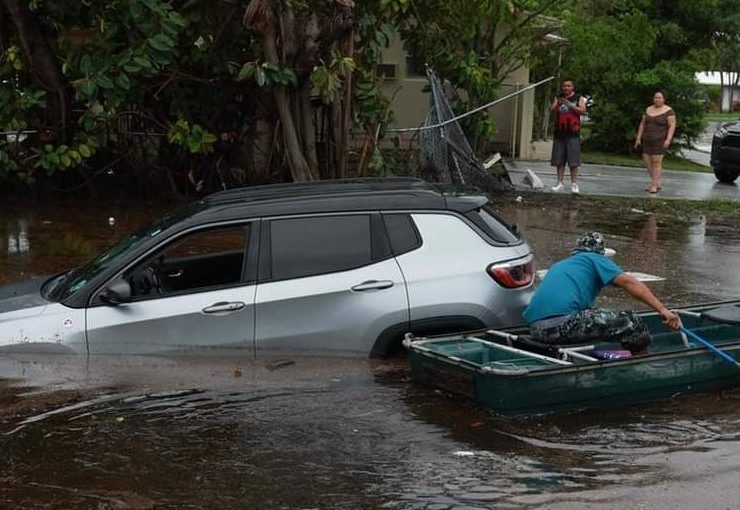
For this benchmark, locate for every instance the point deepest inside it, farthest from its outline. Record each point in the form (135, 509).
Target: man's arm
(641, 292)
(554, 104)
(580, 108)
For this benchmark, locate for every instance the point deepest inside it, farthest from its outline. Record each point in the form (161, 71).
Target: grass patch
(669, 162)
(722, 117)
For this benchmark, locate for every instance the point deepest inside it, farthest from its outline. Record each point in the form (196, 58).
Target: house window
(387, 71)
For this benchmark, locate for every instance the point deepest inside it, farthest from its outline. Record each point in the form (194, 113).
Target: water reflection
(48, 239)
(18, 238)
(350, 434)
(696, 259)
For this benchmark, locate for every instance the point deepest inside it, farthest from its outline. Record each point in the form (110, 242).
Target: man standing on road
(562, 312)
(566, 146)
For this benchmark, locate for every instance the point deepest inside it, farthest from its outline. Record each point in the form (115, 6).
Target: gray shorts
(566, 150)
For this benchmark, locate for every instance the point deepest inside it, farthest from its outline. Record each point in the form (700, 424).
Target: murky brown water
(233, 432)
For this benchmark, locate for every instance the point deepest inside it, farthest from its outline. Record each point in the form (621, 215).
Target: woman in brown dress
(655, 135)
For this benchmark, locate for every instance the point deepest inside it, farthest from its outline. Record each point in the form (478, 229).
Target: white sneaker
(574, 188)
(558, 187)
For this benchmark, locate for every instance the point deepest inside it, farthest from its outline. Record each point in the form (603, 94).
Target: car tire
(726, 175)
(390, 342)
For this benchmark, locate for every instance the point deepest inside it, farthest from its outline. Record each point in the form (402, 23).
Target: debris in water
(280, 364)
(462, 453)
(531, 179)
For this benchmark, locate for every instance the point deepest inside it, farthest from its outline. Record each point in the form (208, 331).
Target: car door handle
(224, 307)
(174, 274)
(373, 285)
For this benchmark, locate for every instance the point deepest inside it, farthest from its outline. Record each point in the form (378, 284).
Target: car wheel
(726, 175)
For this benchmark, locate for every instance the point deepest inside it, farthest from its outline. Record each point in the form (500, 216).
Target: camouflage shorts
(598, 325)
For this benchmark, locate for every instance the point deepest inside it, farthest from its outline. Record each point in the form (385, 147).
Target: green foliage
(476, 45)
(267, 74)
(191, 136)
(63, 157)
(187, 70)
(614, 57)
(327, 79)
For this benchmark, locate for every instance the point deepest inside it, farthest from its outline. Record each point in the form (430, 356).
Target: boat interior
(513, 351)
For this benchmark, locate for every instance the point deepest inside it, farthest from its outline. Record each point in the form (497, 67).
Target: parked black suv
(726, 152)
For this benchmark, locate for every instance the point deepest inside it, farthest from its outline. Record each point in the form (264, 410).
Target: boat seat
(528, 343)
(729, 314)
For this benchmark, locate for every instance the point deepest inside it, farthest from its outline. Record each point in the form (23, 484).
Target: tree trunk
(345, 115)
(299, 168)
(41, 62)
(309, 127)
(3, 29)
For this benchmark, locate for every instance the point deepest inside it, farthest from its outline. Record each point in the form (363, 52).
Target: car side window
(402, 233)
(198, 261)
(495, 227)
(324, 244)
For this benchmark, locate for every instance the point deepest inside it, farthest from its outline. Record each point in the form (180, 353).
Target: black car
(726, 152)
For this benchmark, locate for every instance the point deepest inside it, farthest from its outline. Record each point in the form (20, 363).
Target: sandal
(656, 189)
(652, 191)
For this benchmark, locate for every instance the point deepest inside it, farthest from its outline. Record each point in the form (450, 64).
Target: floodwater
(234, 432)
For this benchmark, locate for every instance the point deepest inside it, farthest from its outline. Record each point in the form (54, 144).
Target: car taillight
(512, 275)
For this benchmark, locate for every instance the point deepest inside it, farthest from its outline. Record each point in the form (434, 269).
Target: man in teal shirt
(562, 309)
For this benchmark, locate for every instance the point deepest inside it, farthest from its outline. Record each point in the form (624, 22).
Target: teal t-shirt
(571, 285)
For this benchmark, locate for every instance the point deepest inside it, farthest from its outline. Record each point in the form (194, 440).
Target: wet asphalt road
(622, 181)
(228, 431)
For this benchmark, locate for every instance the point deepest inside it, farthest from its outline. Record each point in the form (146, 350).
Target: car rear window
(496, 228)
(324, 244)
(401, 233)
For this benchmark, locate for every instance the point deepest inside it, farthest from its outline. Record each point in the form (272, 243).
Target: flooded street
(229, 431)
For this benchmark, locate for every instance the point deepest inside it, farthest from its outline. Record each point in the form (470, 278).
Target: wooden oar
(716, 350)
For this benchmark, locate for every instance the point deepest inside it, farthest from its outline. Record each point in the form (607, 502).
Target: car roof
(343, 195)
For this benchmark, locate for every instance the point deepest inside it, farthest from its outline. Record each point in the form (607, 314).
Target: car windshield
(63, 286)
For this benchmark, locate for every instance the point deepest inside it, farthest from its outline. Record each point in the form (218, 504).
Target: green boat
(508, 373)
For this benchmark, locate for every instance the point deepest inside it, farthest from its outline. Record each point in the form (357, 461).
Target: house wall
(410, 103)
(730, 95)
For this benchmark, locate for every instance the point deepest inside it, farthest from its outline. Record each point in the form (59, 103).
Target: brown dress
(654, 133)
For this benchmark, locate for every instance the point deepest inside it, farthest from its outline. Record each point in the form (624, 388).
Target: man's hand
(639, 290)
(670, 319)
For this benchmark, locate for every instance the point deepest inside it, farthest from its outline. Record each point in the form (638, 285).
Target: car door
(195, 291)
(328, 284)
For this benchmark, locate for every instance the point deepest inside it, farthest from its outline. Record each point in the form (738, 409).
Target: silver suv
(327, 267)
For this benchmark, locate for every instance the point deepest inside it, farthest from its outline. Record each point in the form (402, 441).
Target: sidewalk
(627, 181)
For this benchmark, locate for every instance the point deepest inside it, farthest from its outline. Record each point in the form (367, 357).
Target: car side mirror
(118, 292)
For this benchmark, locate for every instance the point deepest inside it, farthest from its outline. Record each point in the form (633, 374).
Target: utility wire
(471, 112)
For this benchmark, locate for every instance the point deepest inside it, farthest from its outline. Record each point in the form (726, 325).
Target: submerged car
(343, 267)
(725, 159)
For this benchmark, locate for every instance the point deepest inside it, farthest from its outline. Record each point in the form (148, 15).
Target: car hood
(733, 127)
(26, 294)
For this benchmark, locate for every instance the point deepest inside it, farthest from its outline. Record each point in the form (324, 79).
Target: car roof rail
(325, 187)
